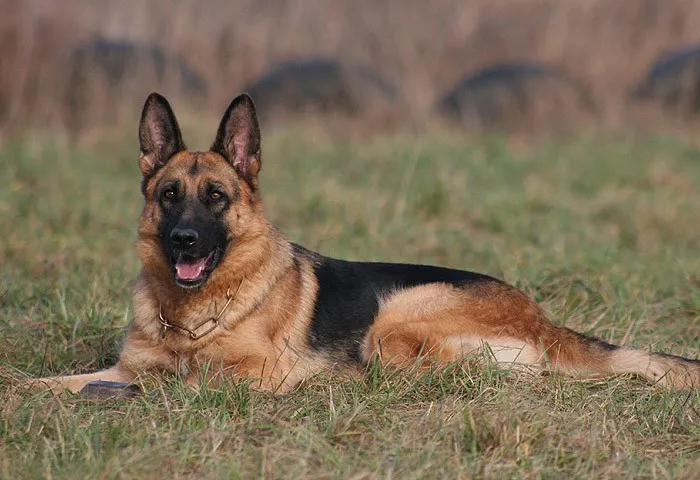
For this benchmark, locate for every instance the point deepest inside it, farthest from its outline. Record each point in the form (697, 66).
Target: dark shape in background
(503, 94)
(318, 86)
(673, 81)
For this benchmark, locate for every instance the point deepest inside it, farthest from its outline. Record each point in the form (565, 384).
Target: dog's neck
(252, 274)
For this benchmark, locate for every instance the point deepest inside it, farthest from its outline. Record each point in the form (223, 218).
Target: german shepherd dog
(223, 294)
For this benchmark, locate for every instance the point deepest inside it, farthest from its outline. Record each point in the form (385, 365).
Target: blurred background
(82, 69)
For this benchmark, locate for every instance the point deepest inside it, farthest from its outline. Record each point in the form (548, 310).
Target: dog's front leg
(75, 383)
(258, 370)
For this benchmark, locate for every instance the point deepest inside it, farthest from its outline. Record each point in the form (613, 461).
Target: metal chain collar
(215, 320)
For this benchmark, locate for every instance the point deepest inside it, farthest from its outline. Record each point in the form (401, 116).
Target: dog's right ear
(159, 134)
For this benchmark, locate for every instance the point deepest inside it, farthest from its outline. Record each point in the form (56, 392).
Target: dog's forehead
(194, 166)
(194, 163)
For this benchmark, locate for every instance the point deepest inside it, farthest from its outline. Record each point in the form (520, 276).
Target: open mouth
(192, 272)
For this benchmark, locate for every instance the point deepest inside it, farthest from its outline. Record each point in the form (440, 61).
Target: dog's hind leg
(440, 323)
(447, 323)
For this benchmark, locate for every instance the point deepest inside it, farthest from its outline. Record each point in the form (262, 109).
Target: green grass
(605, 234)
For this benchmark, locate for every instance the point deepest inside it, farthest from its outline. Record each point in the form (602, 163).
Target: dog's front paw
(104, 389)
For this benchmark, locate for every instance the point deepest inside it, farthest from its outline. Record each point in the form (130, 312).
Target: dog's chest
(223, 342)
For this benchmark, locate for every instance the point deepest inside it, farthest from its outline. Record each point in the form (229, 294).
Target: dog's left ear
(238, 139)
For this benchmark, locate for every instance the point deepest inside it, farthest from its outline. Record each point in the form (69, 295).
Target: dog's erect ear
(238, 139)
(159, 134)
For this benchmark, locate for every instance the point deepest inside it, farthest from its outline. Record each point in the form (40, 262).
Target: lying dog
(222, 287)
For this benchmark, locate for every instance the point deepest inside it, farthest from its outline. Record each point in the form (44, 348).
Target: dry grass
(603, 234)
(423, 48)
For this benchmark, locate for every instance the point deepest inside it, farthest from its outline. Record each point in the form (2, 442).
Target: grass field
(605, 234)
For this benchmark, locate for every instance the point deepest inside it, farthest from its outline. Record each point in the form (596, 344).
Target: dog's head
(200, 206)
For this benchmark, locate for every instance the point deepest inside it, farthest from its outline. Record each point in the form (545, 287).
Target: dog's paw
(104, 389)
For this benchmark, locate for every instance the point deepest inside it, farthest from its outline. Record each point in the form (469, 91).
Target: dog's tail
(580, 356)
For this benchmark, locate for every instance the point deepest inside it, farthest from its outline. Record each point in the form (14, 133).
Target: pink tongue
(190, 271)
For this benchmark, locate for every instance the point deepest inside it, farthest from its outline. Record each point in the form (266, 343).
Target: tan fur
(264, 333)
(667, 371)
(449, 324)
(452, 322)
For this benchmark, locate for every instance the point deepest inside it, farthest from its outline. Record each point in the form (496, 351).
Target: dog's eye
(169, 194)
(216, 195)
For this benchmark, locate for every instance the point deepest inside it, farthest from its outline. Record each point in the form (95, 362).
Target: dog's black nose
(184, 237)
